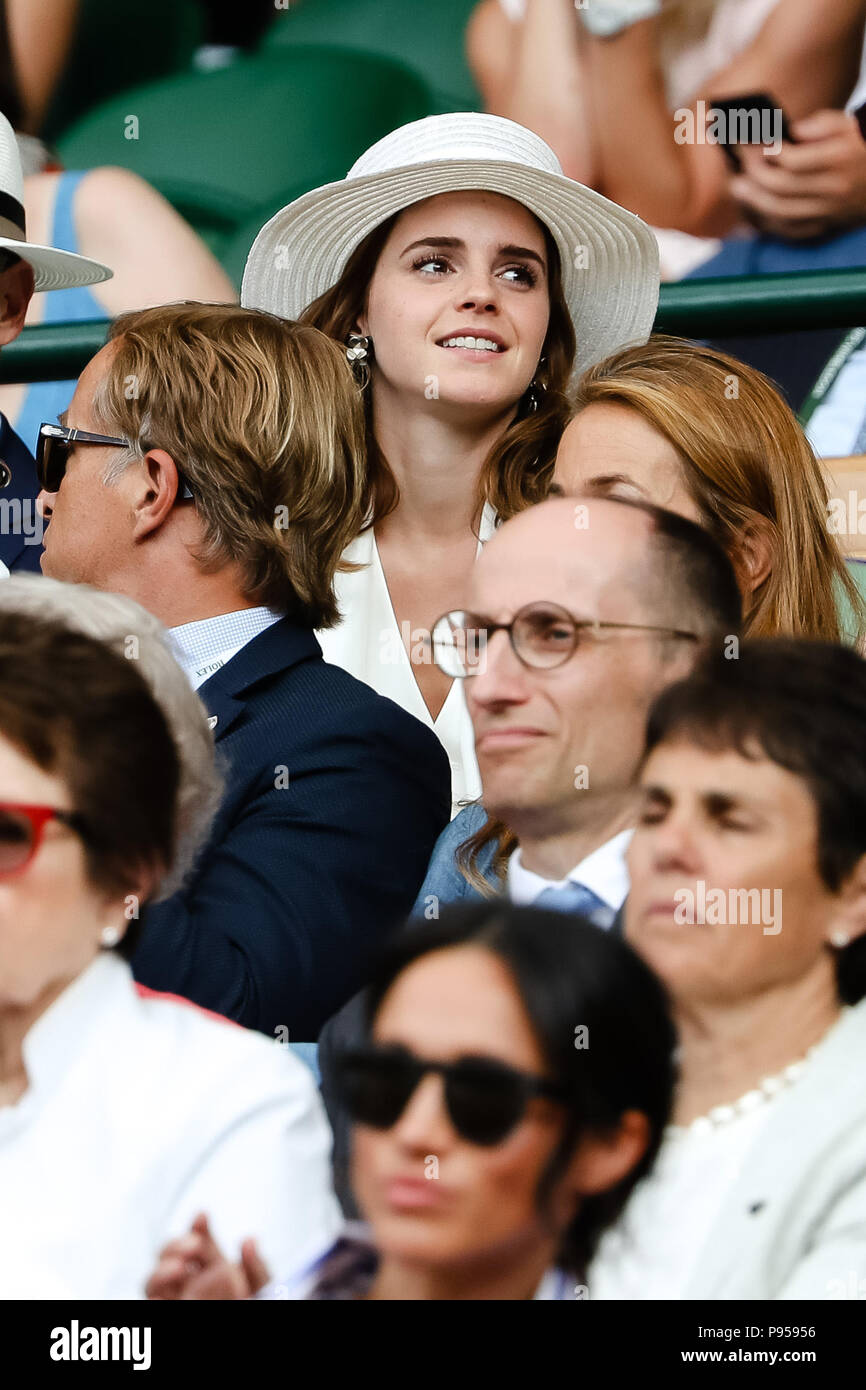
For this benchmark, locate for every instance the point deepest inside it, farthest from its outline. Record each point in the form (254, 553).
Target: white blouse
(369, 645)
(651, 1252)
(141, 1111)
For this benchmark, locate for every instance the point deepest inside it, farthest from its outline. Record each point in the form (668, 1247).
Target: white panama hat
(610, 259)
(53, 270)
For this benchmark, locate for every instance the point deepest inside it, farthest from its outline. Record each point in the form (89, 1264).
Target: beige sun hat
(53, 270)
(610, 259)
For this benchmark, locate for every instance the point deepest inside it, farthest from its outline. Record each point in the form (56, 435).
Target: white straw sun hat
(53, 270)
(610, 260)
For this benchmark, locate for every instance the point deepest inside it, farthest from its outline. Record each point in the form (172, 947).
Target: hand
(194, 1267)
(808, 189)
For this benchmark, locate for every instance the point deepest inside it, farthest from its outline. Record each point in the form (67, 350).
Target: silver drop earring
(357, 355)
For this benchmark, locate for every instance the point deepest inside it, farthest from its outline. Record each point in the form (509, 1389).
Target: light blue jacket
(444, 882)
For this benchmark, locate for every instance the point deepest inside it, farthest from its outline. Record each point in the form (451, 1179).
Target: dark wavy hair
(568, 972)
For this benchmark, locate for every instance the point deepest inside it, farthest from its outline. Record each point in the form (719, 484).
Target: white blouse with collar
(369, 645)
(141, 1111)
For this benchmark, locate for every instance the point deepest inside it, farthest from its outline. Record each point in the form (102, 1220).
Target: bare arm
(155, 255)
(40, 36)
(805, 56)
(532, 72)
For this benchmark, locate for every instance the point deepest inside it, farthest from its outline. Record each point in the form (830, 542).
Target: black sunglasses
(485, 1098)
(56, 442)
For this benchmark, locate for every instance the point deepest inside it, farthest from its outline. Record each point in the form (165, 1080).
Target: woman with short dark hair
(122, 1112)
(513, 1086)
(748, 899)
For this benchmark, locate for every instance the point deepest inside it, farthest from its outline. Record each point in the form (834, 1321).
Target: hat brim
(610, 258)
(57, 270)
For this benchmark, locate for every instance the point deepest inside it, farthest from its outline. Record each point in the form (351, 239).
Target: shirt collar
(603, 872)
(201, 648)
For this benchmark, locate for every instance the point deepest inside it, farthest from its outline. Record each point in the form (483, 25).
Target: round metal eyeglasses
(542, 636)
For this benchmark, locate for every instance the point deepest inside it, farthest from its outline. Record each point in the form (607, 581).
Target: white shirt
(652, 1251)
(604, 872)
(201, 648)
(369, 645)
(143, 1110)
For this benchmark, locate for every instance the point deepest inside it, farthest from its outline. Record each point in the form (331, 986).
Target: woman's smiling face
(459, 303)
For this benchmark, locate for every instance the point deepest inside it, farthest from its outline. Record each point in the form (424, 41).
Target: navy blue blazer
(299, 884)
(17, 503)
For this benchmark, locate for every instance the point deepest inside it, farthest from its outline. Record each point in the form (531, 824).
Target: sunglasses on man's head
(485, 1098)
(55, 444)
(22, 828)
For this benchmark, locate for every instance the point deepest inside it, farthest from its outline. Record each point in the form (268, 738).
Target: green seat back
(118, 46)
(221, 145)
(427, 36)
(233, 249)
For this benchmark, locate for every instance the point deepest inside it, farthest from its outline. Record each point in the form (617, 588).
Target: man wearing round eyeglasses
(580, 612)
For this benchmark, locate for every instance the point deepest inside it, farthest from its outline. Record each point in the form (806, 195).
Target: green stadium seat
(427, 37)
(118, 46)
(220, 145)
(235, 248)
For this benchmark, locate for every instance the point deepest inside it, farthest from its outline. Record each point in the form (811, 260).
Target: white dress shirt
(201, 648)
(368, 644)
(603, 872)
(142, 1111)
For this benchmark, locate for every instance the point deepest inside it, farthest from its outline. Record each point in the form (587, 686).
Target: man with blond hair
(211, 466)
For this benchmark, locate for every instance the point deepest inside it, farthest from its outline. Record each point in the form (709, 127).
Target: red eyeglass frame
(38, 816)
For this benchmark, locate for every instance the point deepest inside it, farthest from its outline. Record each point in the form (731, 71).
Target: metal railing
(693, 309)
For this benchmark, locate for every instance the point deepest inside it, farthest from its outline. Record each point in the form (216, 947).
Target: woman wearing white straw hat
(469, 280)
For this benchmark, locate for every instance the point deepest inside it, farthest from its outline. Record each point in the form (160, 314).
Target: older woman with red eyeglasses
(122, 1112)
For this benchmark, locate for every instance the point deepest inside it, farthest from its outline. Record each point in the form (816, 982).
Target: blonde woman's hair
(519, 467)
(263, 418)
(745, 459)
(127, 629)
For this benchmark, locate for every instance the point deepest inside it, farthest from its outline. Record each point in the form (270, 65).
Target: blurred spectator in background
(748, 899)
(128, 1112)
(24, 266)
(705, 435)
(492, 1145)
(114, 216)
(602, 84)
(456, 264)
(223, 484)
(35, 43)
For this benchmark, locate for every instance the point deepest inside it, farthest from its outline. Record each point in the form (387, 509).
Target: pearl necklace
(762, 1094)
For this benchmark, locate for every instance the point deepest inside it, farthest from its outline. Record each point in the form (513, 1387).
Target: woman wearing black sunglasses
(513, 1087)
